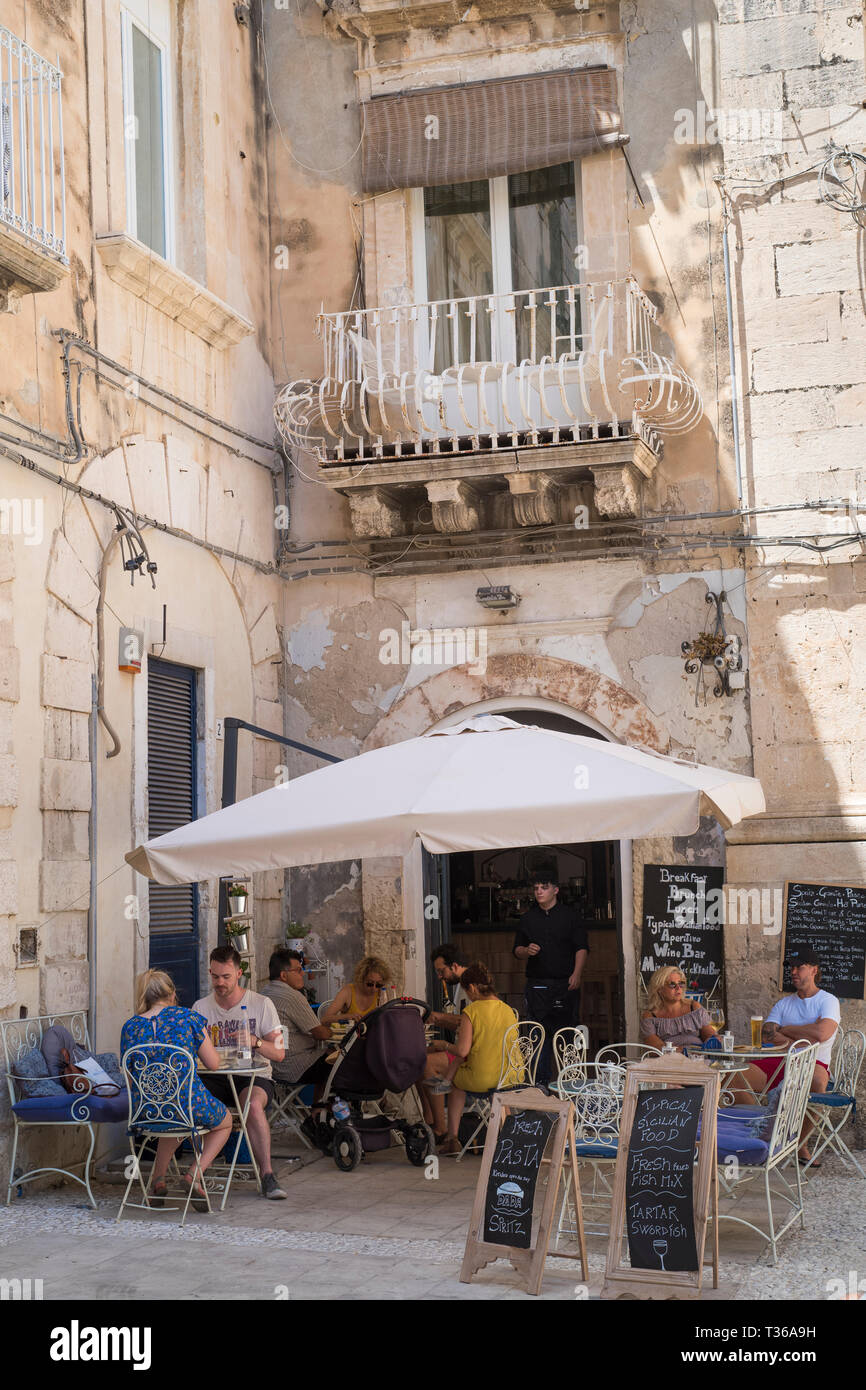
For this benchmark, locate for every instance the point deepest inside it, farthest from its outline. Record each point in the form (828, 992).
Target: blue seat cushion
(66, 1108)
(34, 1080)
(734, 1139)
(594, 1148)
(830, 1098)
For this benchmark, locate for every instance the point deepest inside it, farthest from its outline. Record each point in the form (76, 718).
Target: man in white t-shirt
(810, 1013)
(223, 1011)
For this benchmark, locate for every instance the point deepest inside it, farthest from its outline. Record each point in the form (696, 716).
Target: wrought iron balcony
(564, 364)
(32, 186)
(491, 413)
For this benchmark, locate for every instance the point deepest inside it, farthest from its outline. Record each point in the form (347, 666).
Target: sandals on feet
(199, 1197)
(158, 1193)
(449, 1147)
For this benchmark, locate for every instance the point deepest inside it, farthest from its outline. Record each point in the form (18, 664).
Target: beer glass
(757, 1025)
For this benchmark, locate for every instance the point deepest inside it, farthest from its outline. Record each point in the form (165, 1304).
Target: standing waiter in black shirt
(555, 946)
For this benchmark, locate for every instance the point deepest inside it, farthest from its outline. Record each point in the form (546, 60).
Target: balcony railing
(561, 364)
(32, 185)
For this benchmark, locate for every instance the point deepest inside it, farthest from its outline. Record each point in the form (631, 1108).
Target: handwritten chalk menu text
(683, 914)
(659, 1201)
(513, 1174)
(830, 918)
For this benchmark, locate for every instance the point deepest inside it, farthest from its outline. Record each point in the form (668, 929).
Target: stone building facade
(136, 390)
(717, 102)
(302, 577)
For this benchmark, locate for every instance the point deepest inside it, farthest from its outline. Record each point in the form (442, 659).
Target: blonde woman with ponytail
(159, 1019)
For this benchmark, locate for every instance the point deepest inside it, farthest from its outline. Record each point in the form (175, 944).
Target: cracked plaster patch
(308, 642)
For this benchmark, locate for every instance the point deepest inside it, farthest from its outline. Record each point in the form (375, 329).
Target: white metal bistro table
(245, 1071)
(728, 1066)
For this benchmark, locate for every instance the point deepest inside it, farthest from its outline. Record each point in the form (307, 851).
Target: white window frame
(159, 13)
(500, 249)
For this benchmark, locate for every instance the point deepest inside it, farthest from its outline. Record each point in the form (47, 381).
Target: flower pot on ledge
(238, 904)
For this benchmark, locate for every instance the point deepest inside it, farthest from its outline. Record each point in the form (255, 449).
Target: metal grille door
(171, 802)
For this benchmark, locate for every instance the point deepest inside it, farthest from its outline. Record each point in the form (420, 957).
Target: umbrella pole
(231, 725)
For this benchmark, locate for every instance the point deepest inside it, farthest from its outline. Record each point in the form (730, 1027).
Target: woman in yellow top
(362, 996)
(473, 1062)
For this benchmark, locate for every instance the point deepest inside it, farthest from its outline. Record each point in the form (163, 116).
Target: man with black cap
(810, 1013)
(555, 946)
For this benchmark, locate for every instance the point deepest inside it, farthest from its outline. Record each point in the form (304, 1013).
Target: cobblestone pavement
(383, 1232)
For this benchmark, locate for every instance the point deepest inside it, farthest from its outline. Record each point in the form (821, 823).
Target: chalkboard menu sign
(661, 1196)
(830, 918)
(659, 1205)
(510, 1194)
(683, 914)
(523, 1124)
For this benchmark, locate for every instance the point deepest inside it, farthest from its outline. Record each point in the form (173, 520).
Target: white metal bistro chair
(761, 1098)
(159, 1079)
(596, 1090)
(622, 1053)
(521, 1049)
(570, 1047)
(778, 1149)
(831, 1110)
(37, 1100)
(287, 1109)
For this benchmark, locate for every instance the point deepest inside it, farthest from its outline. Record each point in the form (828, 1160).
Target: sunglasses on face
(676, 984)
(375, 984)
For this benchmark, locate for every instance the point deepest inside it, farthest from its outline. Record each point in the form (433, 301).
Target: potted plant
(296, 932)
(237, 935)
(237, 896)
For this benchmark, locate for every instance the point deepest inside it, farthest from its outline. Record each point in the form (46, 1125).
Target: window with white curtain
(497, 237)
(147, 87)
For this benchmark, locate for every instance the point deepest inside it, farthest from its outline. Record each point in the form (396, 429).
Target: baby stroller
(385, 1051)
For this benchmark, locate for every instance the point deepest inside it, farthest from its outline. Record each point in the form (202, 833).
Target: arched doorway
(475, 899)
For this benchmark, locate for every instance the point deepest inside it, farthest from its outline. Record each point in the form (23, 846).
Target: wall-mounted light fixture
(498, 596)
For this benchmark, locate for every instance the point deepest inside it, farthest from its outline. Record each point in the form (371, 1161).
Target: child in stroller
(385, 1051)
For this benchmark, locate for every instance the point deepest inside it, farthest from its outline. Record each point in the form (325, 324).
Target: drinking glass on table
(717, 1017)
(757, 1025)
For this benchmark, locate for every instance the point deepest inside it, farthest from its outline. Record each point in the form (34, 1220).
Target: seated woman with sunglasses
(362, 996)
(671, 1018)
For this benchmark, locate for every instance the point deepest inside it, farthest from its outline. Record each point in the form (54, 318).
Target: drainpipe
(91, 845)
(735, 413)
(100, 643)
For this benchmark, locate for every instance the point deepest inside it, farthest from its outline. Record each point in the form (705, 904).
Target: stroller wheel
(420, 1142)
(348, 1149)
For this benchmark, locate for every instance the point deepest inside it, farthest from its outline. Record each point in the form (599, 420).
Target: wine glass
(717, 1017)
(661, 1249)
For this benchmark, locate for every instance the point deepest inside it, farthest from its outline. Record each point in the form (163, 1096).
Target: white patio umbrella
(487, 783)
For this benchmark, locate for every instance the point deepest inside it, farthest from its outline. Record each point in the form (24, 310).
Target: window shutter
(171, 777)
(482, 130)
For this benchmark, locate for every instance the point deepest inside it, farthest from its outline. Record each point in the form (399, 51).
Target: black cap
(805, 957)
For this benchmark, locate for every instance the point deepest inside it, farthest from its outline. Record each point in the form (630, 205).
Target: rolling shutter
(171, 777)
(482, 130)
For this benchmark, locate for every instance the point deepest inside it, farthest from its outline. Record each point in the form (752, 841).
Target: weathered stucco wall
(156, 458)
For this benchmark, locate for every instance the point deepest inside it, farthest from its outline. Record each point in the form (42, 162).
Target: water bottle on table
(244, 1042)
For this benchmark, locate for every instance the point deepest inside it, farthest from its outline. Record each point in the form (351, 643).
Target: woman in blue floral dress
(158, 1019)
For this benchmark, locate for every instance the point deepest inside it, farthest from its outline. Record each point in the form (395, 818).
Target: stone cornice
(138, 269)
(373, 18)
